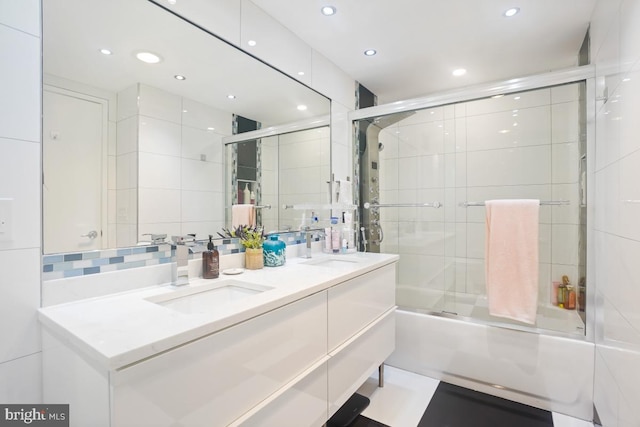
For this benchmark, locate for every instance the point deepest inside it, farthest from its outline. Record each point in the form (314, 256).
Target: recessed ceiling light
(503, 131)
(105, 52)
(370, 52)
(252, 43)
(302, 107)
(231, 96)
(511, 12)
(211, 128)
(459, 72)
(301, 73)
(179, 77)
(171, 1)
(516, 98)
(148, 57)
(328, 10)
(185, 111)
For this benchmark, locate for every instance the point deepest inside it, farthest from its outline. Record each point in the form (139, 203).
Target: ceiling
(420, 42)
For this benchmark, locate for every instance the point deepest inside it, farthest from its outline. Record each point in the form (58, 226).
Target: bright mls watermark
(34, 415)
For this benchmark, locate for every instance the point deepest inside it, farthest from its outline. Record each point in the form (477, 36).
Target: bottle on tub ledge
(566, 294)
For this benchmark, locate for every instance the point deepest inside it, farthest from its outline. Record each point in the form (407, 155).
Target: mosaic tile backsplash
(60, 266)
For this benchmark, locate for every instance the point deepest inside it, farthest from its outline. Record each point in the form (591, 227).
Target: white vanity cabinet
(294, 365)
(361, 331)
(216, 379)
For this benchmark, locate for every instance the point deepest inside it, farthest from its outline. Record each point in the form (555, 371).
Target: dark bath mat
(363, 421)
(453, 406)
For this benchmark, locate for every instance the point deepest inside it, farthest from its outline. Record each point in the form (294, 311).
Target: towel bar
(542, 202)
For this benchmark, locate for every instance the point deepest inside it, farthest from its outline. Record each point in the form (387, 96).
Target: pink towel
(243, 215)
(511, 258)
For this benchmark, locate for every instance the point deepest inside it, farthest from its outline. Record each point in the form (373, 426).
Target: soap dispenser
(210, 261)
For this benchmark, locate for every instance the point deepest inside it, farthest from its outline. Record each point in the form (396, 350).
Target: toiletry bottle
(554, 292)
(347, 231)
(571, 299)
(246, 194)
(274, 251)
(253, 198)
(210, 261)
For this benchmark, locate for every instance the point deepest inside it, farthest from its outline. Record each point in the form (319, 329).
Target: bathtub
(475, 308)
(546, 371)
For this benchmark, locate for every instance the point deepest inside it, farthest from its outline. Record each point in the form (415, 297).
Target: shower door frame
(585, 74)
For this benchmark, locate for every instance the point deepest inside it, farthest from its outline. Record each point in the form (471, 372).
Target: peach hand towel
(511, 258)
(243, 215)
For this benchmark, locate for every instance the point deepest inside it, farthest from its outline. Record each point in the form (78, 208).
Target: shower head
(380, 146)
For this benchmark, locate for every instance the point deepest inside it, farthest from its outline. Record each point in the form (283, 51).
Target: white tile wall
(20, 113)
(20, 299)
(159, 136)
(159, 104)
(20, 181)
(508, 129)
(20, 177)
(614, 33)
(201, 116)
(21, 380)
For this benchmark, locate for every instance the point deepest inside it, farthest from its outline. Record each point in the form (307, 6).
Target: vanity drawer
(216, 379)
(351, 364)
(359, 301)
(303, 404)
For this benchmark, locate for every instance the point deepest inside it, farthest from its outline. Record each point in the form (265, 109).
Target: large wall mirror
(133, 148)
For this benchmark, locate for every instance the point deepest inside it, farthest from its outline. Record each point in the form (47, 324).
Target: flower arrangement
(251, 237)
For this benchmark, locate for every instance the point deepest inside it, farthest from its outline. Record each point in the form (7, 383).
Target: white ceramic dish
(233, 271)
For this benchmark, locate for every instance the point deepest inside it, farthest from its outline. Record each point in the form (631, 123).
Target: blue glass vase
(275, 252)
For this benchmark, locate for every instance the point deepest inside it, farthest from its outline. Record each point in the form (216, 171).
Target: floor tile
(405, 397)
(402, 400)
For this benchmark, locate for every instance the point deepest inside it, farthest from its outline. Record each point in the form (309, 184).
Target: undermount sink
(208, 298)
(332, 262)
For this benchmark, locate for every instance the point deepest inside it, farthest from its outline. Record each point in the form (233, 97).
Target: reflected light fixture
(106, 52)
(252, 43)
(370, 52)
(511, 12)
(459, 72)
(301, 73)
(172, 2)
(230, 96)
(302, 107)
(148, 57)
(328, 10)
(179, 77)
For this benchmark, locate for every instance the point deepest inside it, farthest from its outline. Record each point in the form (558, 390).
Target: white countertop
(123, 328)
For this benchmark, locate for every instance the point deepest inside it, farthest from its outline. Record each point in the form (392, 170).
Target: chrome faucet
(308, 237)
(180, 268)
